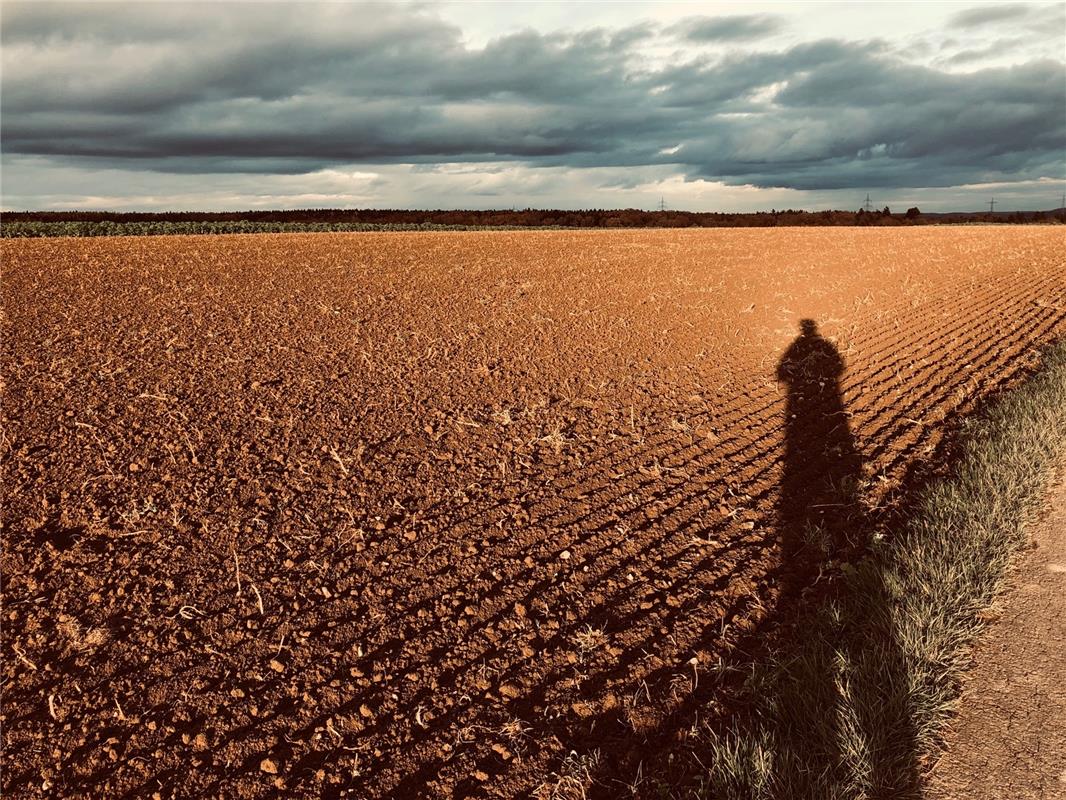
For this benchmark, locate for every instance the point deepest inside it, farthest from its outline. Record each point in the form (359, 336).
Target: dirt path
(1010, 738)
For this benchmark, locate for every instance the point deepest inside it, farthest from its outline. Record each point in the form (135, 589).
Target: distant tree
(886, 212)
(913, 212)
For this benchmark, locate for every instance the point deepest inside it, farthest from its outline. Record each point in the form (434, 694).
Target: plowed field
(455, 514)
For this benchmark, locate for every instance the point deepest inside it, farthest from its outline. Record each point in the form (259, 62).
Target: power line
(662, 204)
(867, 205)
(992, 206)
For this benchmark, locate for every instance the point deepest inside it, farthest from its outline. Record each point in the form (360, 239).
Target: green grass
(856, 705)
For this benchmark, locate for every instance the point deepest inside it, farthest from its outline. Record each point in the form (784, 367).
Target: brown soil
(1010, 737)
(457, 514)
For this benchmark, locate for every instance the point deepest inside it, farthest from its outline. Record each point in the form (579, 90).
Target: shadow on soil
(823, 525)
(836, 718)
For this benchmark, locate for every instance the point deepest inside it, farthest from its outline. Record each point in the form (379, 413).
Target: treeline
(22, 229)
(107, 223)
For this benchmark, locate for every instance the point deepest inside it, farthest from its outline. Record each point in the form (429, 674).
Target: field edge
(857, 703)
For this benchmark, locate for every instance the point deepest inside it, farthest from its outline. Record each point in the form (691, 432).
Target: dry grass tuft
(589, 639)
(573, 780)
(78, 639)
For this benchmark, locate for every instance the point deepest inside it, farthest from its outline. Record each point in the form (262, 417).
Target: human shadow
(813, 700)
(843, 723)
(818, 513)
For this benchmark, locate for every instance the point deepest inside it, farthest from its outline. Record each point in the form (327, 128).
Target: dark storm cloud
(290, 89)
(726, 29)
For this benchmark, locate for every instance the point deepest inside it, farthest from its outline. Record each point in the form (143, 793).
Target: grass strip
(856, 705)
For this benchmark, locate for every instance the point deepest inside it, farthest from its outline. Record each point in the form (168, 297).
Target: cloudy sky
(712, 106)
